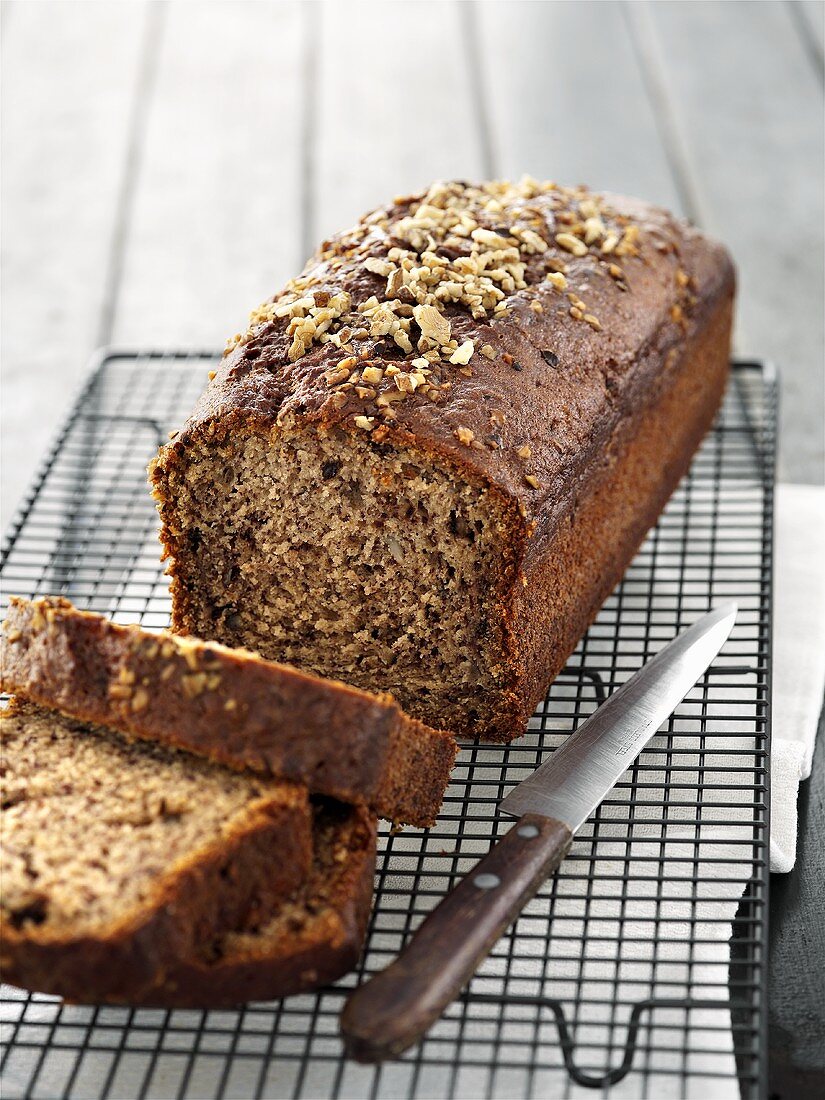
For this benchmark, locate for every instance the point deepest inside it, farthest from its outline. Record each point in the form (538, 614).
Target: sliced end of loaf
(226, 704)
(309, 940)
(119, 856)
(356, 560)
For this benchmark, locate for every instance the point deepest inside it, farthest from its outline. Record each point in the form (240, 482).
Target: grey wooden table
(168, 165)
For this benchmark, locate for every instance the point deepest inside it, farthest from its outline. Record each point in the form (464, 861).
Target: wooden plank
(568, 100)
(809, 17)
(394, 106)
(813, 21)
(69, 79)
(214, 228)
(750, 106)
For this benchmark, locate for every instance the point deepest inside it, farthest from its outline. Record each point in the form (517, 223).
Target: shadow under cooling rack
(617, 973)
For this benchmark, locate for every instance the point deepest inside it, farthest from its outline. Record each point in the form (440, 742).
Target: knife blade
(574, 781)
(388, 1013)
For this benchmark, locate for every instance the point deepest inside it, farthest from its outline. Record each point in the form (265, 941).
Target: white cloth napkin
(799, 656)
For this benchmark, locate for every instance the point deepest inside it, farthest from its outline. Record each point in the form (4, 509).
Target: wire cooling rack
(617, 976)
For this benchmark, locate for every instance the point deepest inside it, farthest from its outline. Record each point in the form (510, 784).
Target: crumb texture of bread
(228, 705)
(309, 940)
(118, 857)
(429, 459)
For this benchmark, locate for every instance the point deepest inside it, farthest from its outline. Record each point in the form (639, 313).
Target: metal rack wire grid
(616, 978)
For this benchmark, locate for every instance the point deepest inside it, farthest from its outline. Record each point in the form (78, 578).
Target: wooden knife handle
(388, 1013)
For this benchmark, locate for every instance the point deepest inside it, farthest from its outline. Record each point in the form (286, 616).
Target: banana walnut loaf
(120, 858)
(429, 459)
(228, 705)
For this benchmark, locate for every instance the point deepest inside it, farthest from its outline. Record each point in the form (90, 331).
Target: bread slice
(119, 857)
(228, 705)
(308, 941)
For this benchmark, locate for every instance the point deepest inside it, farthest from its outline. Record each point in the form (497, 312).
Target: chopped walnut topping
(336, 375)
(432, 323)
(372, 375)
(378, 267)
(140, 700)
(463, 353)
(458, 249)
(571, 244)
(532, 481)
(524, 451)
(465, 436)
(594, 230)
(588, 209)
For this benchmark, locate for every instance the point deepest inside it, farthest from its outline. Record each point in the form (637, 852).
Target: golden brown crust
(567, 583)
(573, 379)
(563, 371)
(228, 705)
(197, 896)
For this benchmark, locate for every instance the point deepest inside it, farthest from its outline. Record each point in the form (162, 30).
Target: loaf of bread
(119, 858)
(430, 458)
(228, 705)
(309, 939)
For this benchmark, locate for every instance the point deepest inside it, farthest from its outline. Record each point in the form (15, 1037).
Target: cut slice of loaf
(228, 705)
(119, 857)
(308, 941)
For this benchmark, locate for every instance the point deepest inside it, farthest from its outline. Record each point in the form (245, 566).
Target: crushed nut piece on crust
(336, 375)
(571, 244)
(372, 375)
(140, 700)
(463, 353)
(464, 435)
(432, 323)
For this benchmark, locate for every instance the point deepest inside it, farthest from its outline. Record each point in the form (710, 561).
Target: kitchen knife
(388, 1013)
